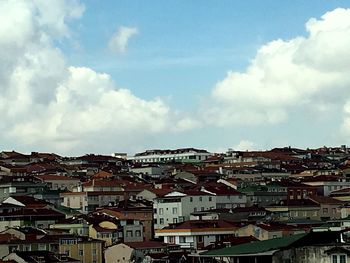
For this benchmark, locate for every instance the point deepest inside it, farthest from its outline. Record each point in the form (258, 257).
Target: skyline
(79, 77)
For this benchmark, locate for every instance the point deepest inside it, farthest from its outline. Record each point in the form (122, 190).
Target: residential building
(86, 202)
(190, 155)
(85, 249)
(177, 206)
(195, 234)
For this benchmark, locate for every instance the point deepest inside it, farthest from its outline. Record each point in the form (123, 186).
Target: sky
(125, 76)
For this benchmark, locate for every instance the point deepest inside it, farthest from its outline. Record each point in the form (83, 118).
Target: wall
(120, 253)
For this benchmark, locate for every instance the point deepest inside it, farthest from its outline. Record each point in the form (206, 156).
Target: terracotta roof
(161, 192)
(102, 174)
(123, 215)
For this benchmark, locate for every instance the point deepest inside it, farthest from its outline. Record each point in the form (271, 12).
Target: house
(330, 208)
(107, 231)
(38, 256)
(263, 195)
(151, 194)
(27, 211)
(196, 234)
(88, 201)
(265, 231)
(95, 185)
(136, 225)
(225, 196)
(297, 190)
(59, 182)
(19, 185)
(74, 225)
(185, 155)
(327, 184)
(151, 170)
(304, 209)
(313, 247)
(84, 249)
(177, 206)
(120, 253)
(198, 176)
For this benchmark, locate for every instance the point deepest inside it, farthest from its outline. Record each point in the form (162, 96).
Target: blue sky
(180, 54)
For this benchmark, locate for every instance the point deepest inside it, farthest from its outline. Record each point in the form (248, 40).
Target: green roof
(67, 210)
(255, 247)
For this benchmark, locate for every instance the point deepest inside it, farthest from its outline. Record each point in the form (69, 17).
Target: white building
(176, 207)
(179, 155)
(197, 234)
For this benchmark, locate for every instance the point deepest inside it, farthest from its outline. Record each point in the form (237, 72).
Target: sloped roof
(255, 247)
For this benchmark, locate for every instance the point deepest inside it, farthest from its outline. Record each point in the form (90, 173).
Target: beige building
(85, 249)
(120, 253)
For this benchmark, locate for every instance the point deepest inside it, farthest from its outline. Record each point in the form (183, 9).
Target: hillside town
(182, 205)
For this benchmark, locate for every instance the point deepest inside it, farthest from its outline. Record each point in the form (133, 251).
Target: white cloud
(47, 104)
(244, 145)
(120, 39)
(302, 73)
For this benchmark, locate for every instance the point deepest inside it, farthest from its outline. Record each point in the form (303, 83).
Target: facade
(177, 206)
(86, 202)
(180, 155)
(86, 250)
(58, 182)
(195, 234)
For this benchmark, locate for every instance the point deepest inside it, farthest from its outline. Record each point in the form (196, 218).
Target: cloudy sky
(110, 76)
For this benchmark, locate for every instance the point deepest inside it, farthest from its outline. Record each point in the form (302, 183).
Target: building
(196, 234)
(177, 206)
(313, 247)
(85, 249)
(190, 155)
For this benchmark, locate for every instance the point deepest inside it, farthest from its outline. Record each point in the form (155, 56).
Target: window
(210, 198)
(174, 220)
(182, 240)
(202, 208)
(200, 239)
(195, 209)
(138, 233)
(129, 233)
(42, 247)
(94, 252)
(174, 210)
(161, 221)
(338, 258)
(172, 240)
(160, 211)
(325, 210)
(155, 211)
(200, 199)
(81, 252)
(191, 199)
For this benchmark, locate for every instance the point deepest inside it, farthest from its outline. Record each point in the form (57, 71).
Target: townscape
(183, 205)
